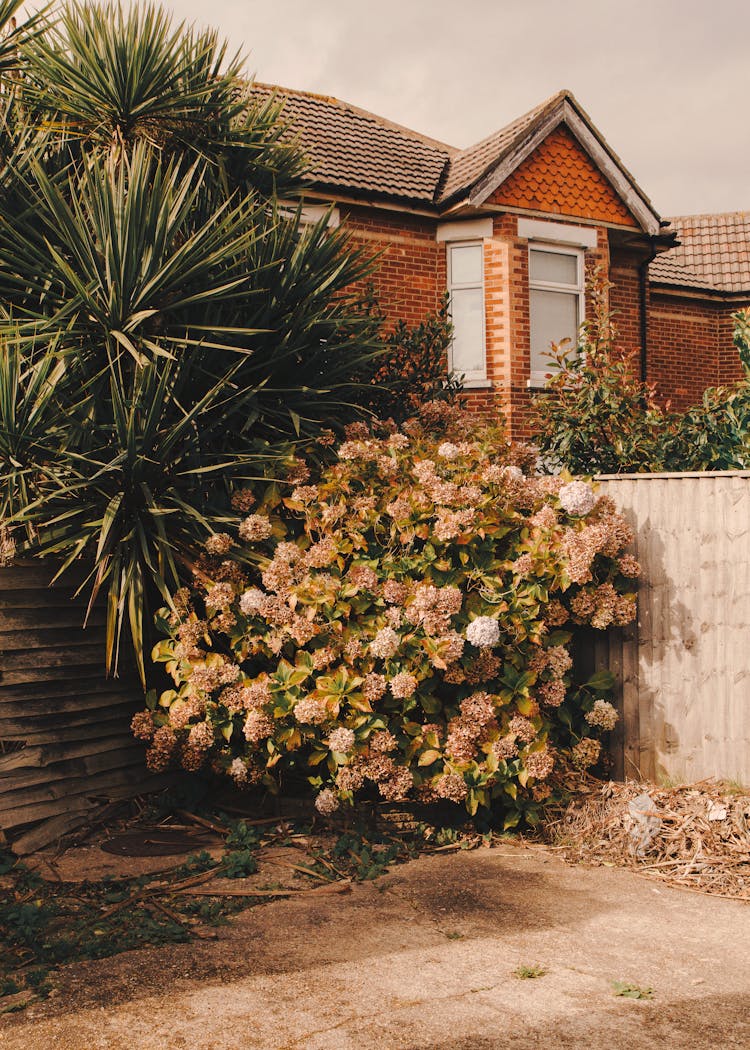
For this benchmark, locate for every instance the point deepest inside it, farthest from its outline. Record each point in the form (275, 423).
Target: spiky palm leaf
(166, 325)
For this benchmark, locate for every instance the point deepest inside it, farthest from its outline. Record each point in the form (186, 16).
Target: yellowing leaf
(428, 757)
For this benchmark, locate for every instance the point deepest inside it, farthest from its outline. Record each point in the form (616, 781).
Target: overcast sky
(667, 82)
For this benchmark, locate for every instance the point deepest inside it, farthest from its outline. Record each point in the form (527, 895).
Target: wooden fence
(65, 742)
(684, 668)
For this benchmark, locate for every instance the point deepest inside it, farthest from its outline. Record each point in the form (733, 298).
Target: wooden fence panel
(684, 668)
(65, 740)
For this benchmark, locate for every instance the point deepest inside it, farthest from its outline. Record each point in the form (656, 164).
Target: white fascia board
(557, 233)
(311, 213)
(468, 230)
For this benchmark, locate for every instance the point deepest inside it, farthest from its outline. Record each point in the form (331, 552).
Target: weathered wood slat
(685, 668)
(42, 598)
(125, 758)
(12, 784)
(29, 676)
(13, 618)
(25, 575)
(55, 700)
(96, 787)
(28, 639)
(50, 697)
(77, 653)
(46, 754)
(82, 726)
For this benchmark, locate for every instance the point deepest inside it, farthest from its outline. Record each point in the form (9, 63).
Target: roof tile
(713, 254)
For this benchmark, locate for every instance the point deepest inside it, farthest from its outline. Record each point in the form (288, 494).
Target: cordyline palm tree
(164, 325)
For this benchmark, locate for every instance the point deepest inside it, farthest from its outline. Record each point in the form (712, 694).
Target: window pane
(468, 330)
(553, 266)
(554, 316)
(466, 264)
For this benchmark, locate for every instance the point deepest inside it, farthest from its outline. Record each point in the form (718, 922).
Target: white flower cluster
(602, 714)
(238, 771)
(512, 473)
(326, 802)
(484, 632)
(251, 600)
(385, 643)
(341, 739)
(448, 450)
(577, 498)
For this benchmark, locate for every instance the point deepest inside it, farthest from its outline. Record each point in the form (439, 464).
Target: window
(466, 289)
(555, 303)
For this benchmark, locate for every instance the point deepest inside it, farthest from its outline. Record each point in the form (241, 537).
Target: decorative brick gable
(559, 178)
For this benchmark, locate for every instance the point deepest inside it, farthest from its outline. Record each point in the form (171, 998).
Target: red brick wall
(682, 348)
(624, 300)
(729, 367)
(410, 278)
(689, 339)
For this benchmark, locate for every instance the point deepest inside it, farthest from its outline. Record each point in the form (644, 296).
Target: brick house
(510, 227)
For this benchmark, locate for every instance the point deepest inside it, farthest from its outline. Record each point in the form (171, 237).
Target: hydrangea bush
(400, 628)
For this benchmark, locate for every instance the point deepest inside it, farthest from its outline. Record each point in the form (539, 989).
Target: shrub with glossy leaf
(399, 627)
(596, 417)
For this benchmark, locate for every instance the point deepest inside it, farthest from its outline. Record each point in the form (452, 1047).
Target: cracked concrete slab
(423, 959)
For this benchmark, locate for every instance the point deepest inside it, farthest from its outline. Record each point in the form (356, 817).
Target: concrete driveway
(424, 959)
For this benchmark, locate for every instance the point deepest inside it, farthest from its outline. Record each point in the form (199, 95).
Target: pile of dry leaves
(696, 835)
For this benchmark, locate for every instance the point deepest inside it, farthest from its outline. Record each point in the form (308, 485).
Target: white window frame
(537, 380)
(477, 377)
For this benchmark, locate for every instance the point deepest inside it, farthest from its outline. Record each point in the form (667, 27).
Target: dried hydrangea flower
(142, 725)
(577, 499)
(448, 450)
(539, 764)
(403, 685)
(218, 544)
(250, 601)
(484, 632)
(522, 728)
(201, 736)
(238, 771)
(243, 500)
(374, 686)
(602, 714)
(397, 787)
(258, 726)
(552, 694)
(254, 528)
(629, 566)
(163, 745)
(451, 786)
(311, 711)
(220, 596)
(586, 752)
(326, 802)
(341, 740)
(385, 643)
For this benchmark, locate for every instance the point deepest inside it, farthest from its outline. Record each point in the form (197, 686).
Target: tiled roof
(469, 165)
(355, 150)
(714, 253)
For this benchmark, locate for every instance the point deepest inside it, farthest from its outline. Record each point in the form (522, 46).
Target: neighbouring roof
(713, 254)
(359, 152)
